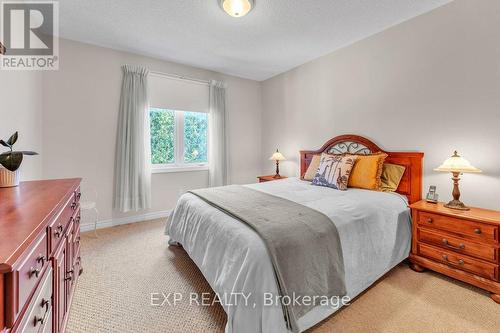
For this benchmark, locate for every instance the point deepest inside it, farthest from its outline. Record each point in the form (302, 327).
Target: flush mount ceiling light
(237, 8)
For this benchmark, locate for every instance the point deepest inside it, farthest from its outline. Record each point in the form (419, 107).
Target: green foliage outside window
(195, 137)
(162, 125)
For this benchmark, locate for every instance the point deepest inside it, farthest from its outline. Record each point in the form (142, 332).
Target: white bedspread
(374, 229)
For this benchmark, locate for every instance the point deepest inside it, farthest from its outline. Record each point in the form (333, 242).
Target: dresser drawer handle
(459, 247)
(460, 262)
(70, 277)
(34, 271)
(79, 195)
(73, 205)
(41, 258)
(477, 231)
(429, 220)
(59, 230)
(37, 320)
(45, 304)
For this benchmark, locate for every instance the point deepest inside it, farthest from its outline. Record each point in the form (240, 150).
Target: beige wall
(80, 119)
(21, 110)
(430, 84)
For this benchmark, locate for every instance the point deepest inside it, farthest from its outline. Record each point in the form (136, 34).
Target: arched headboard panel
(411, 183)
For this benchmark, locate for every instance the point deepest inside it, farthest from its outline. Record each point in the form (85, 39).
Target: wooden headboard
(411, 183)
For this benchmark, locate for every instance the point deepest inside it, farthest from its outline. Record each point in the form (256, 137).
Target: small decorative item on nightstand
(277, 156)
(432, 196)
(456, 165)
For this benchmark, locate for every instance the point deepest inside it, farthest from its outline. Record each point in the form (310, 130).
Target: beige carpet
(127, 263)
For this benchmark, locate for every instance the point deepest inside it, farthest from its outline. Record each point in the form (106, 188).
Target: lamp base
(456, 204)
(277, 176)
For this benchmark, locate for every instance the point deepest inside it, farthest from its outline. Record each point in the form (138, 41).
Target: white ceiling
(276, 36)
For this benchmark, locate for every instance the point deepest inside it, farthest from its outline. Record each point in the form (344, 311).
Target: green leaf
(5, 144)
(11, 160)
(12, 139)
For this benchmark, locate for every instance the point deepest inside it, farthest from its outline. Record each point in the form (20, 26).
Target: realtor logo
(29, 33)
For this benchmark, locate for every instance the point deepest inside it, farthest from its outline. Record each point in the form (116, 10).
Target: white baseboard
(125, 220)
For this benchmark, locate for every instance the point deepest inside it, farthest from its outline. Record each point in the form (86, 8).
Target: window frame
(179, 147)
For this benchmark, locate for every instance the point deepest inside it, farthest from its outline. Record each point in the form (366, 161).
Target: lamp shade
(277, 156)
(456, 163)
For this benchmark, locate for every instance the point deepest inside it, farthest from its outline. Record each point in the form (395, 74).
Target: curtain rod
(180, 77)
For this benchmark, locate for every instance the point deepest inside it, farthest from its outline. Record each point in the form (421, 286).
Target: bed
(374, 229)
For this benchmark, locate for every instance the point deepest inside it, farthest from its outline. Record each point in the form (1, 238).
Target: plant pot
(9, 178)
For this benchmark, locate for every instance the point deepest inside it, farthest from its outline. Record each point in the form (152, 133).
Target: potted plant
(10, 162)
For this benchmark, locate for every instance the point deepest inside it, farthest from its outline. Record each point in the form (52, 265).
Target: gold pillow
(312, 168)
(367, 171)
(391, 176)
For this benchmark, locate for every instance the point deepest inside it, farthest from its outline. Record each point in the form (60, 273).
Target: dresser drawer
(39, 313)
(29, 271)
(459, 245)
(77, 265)
(76, 231)
(58, 226)
(459, 261)
(459, 226)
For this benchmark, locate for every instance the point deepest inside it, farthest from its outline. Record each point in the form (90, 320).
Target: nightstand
(464, 245)
(263, 179)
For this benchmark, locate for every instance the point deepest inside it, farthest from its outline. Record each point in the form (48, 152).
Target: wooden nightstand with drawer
(263, 179)
(464, 245)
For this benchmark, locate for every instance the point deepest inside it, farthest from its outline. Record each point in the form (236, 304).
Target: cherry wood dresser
(464, 245)
(39, 254)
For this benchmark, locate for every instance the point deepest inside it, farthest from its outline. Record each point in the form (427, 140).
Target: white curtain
(217, 150)
(132, 165)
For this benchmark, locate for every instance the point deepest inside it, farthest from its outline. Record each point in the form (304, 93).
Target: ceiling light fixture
(237, 8)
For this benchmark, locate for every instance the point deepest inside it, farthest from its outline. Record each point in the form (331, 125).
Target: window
(178, 140)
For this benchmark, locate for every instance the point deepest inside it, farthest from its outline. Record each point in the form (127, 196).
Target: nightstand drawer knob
(429, 220)
(477, 231)
(459, 247)
(460, 262)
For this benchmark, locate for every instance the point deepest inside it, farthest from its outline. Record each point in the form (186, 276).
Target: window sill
(180, 169)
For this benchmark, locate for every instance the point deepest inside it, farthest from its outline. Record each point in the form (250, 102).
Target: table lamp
(277, 156)
(456, 165)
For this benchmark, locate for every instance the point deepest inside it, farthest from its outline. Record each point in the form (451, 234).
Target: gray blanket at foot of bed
(303, 244)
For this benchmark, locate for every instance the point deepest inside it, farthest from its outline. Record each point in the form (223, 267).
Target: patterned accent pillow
(334, 171)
